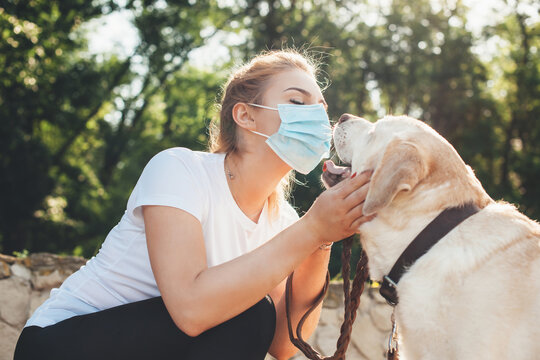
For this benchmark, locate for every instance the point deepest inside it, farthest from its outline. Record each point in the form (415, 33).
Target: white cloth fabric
(120, 273)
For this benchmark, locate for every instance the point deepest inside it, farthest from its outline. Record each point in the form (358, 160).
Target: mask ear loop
(258, 133)
(262, 106)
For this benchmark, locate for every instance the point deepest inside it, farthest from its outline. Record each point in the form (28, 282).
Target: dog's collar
(432, 233)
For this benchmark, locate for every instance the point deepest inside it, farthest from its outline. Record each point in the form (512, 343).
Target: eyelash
(296, 102)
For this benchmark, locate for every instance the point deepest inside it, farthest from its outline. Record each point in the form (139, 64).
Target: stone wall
(25, 283)
(370, 331)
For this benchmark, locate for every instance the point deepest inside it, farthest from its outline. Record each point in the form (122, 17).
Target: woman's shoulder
(185, 154)
(175, 177)
(173, 166)
(174, 157)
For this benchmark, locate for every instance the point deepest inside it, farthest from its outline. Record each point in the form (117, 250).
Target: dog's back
(476, 294)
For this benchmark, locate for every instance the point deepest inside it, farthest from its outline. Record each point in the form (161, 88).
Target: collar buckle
(388, 291)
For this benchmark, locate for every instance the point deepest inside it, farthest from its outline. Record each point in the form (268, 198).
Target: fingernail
(353, 175)
(324, 167)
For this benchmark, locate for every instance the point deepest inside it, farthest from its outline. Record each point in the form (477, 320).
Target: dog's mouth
(333, 174)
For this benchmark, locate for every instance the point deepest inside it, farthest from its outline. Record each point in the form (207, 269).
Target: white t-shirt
(120, 273)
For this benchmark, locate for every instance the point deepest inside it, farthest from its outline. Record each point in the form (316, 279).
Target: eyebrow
(305, 92)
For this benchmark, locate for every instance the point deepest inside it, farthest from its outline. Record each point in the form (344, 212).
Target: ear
(242, 116)
(400, 169)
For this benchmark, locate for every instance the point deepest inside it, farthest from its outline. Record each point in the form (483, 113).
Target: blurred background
(91, 90)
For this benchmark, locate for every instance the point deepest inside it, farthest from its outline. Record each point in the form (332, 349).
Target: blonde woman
(196, 267)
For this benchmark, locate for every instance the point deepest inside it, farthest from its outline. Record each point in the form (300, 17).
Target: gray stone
(14, 300)
(4, 269)
(380, 316)
(18, 302)
(21, 271)
(8, 259)
(366, 300)
(353, 353)
(47, 280)
(47, 261)
(331, 317)
(326, 339)
(334, 296)
(367, 338)
(8, 339)
(43, 261)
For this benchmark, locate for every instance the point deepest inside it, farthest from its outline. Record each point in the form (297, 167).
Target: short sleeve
(170, 178)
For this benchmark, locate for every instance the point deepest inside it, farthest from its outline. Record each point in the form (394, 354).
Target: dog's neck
(388, 235)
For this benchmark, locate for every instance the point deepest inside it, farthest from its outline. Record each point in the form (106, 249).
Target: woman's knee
(264, 318)
(246, 336)
(28, 345)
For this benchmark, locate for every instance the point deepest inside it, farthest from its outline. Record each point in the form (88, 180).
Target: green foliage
(21, 255)
(77, 129)
(43, 97)
(519, 94)
(70, 120)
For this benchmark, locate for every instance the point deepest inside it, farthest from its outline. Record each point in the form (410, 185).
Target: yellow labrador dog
(475, 294)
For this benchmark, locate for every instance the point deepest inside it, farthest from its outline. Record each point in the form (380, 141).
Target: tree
(77, 129)
(60, 146)
(519, 92)
(45, 89)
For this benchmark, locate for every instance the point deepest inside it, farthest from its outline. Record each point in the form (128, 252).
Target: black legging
(145, 330)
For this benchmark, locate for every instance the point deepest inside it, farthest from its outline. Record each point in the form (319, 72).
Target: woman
(196, 267)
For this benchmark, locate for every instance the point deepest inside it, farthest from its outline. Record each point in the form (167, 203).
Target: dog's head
(408, 159)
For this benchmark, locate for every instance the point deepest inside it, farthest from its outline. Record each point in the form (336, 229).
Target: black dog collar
(432, 233)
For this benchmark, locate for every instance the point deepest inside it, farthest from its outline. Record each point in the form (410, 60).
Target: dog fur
(476, 293)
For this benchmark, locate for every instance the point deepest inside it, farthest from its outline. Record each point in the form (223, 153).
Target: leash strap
(351, 303)
(392, 355)
(299, 341)
(392, 352)
(429, 236)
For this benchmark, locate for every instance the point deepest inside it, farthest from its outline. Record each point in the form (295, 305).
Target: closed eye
(296, 102)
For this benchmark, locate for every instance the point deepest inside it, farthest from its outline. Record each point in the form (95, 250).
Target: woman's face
(288, 87)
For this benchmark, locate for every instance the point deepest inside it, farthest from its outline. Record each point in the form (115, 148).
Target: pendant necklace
(232, 177)
(228, 170)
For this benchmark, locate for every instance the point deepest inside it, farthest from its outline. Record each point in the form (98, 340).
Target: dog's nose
(344, 118)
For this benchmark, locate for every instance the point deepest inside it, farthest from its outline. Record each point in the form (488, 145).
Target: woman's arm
(308, 281)
(199, 298)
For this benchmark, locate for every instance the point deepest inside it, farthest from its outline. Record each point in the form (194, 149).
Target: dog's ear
(402, 166)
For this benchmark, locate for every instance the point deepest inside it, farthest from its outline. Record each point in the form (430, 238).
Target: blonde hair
(247, 84)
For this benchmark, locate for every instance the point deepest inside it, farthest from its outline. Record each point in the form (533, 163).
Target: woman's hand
(337, 212)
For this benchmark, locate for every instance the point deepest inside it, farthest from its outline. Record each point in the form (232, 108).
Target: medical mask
(303, 138)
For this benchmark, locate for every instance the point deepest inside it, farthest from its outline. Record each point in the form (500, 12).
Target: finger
(356, 211)
(354, 182)
(361, 220)
(357, 196)
(355, 199)
(343, 188)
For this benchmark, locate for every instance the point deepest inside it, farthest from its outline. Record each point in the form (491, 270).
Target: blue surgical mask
(303, 138)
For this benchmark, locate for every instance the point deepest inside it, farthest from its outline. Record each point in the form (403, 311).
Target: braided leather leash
(351, 301)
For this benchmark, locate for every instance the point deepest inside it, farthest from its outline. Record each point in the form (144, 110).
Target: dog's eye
(296, 102)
